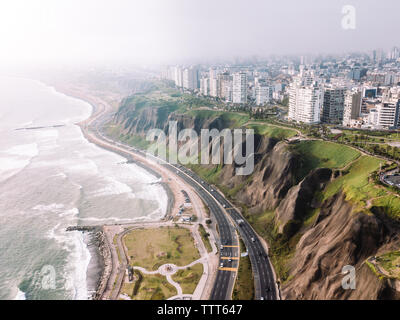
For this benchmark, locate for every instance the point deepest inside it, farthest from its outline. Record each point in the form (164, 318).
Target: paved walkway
(170, 269)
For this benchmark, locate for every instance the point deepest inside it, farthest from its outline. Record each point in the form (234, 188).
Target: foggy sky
(169, 31)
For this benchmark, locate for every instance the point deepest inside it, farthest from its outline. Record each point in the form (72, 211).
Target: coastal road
(228, 220)
(264, 278)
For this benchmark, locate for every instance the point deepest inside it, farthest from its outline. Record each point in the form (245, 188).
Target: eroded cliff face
(338, 236)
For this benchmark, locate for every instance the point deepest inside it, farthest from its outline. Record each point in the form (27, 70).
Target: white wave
(116, 219)
(149, 217)
(20, 295)
(16, 159)
(12, 163)
(47, 134)
(72, 213)
(54, 207)
(25, 150)
(113, 187)
(79, 264)
(61, 175)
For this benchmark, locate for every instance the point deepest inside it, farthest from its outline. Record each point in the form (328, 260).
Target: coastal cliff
(306, 212)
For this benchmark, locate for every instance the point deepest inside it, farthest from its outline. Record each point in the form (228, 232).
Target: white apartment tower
(178, 76)
(352, 106)
(190, 78)
(263, 93)
(305, 99)
(205, 86)
(388, 114)
(239, 87)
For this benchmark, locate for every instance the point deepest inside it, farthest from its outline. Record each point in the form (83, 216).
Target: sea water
(52, 178)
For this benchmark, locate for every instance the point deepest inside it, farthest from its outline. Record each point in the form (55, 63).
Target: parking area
(393, 180)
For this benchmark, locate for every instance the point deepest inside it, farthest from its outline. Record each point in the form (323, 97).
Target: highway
(229, 220)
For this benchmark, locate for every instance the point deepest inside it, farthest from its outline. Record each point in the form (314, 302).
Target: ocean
(52, 178)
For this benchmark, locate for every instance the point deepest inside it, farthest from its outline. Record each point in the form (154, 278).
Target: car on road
(252, 239)
(221, 265)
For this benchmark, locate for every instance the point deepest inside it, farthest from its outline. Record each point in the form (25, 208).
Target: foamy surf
(58, 173)
(20, 295)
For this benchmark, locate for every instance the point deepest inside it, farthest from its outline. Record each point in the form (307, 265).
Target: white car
(221, 265)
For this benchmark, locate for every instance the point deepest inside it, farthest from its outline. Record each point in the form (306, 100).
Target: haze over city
(186, 150)
(157, 31)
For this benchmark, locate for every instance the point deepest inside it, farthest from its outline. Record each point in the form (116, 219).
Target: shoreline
(97, 240)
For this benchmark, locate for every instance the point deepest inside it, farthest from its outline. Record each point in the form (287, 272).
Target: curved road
(228, 218)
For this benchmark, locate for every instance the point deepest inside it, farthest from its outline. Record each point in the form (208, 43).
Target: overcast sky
(162, 31)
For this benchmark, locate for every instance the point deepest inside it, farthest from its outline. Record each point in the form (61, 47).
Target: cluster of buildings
(360, 90)
(313, 100)
(355, 91)
(235, 85)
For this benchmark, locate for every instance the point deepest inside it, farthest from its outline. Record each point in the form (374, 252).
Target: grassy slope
(355, 183)
(272, 131)
(390, 262)
(322, 154)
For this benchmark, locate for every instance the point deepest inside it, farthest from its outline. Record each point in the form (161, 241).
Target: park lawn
(151, 248)
(153, 287)
(355, 183)
(273, 131)
(205, 237)
(189, 278)
(244, 285)
(322, 154)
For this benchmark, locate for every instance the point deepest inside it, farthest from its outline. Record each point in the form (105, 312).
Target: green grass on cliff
(321, 154)
(272, 131)
(390, 205)
(390, 263)
(355, 181)
(229, 119)
(281, 249)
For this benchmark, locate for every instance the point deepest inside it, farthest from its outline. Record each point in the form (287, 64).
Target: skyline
(160, 32)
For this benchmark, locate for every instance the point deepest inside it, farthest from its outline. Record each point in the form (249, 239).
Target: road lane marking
(231, 246)
(227, 258)
(227, 269)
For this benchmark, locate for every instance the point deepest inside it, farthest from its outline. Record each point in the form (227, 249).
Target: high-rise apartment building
(190, 78)
(263, 92)
(239, 86)
(178, 76)
(305, 99)
(224, 84)
(352, 106)
(388, 114)
(205, 86)
(333, 107)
